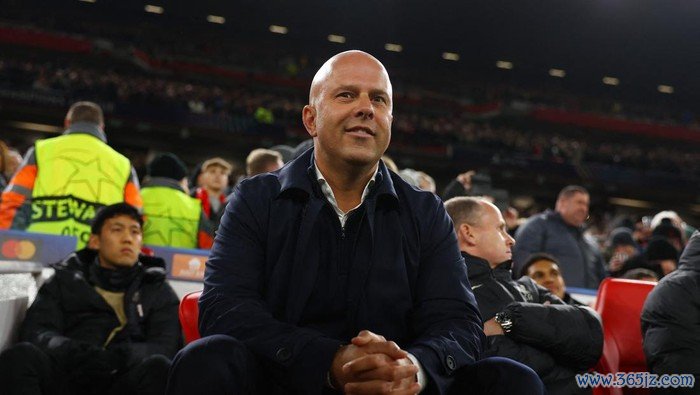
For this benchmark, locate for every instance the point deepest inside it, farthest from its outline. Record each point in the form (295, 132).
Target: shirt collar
(330, 196)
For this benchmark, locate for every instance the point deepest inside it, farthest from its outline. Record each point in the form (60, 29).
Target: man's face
(546, 273)
(215, 178)
(574, 208)
(492, 241)
(118, 243)
(349, 116)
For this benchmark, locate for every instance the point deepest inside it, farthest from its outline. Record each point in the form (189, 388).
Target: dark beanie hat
(666, 229)
(621, 237)
(660, 249)
(168, 166)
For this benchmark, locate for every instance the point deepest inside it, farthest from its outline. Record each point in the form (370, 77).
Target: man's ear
(466, 233)
(308, 117)
(94, 242)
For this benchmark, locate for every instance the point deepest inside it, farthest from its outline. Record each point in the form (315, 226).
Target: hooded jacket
(69, 320)
(555, 340)
(671, 317)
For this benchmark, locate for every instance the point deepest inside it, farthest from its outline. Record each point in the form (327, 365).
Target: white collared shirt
(330, 196)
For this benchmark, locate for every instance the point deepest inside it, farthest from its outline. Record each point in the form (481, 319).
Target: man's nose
(364, 107)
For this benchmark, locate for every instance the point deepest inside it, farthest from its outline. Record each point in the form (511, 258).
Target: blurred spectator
(212, 193)
(561, 234)
(641, 274)
(4, 159)
(621, 247)
(418, 179)
(672, 233)
(12, 162)
(172, 218)
(286, 151)
(65, 180)
(544, 269)
(660, 256)
(670, 320)
(106, 322)
(520, 316)
(262, 160)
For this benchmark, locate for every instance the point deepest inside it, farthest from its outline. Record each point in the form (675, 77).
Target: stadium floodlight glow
(154, 9)
(278, 29)
(216, 19)
(504, 64)
(88, 1)
(450, 56)
(612, 81)
(665, 89)
(335, 38)
(559, 73)
(393, 47)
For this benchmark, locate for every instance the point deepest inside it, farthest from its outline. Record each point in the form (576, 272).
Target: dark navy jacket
(413, 289)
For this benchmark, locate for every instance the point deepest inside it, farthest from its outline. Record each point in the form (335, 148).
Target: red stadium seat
(619, 304)
(189, 316)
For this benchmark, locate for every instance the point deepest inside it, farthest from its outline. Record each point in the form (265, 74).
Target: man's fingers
(367, 362)
(389, 348)
(381, 387)
(365, 337)
(390, 373)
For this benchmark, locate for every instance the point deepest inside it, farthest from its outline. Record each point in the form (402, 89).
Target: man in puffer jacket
(671, 321)
(106, 322)
(523, 321)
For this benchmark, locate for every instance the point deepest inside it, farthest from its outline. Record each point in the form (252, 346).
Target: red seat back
(189, 316)
(619, 304)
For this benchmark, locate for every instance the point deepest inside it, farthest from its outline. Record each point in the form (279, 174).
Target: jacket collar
(300, 176)
(163, 182)
(90, 128)
(478, 267)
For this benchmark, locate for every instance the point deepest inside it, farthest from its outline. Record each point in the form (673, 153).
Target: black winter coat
(671, 318)
(69, 320)
(556, 340)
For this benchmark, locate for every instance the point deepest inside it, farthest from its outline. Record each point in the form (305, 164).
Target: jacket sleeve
(446, 319)
(232, 302)
(44, 326)
(573, 335)
(16, 199)
(529, 239)
(162, 329)
(132, 193)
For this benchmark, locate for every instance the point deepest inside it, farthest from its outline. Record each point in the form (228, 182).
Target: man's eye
(346, 95)
(380, 99)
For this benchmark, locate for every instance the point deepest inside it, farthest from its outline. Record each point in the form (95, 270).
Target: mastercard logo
(18, 249)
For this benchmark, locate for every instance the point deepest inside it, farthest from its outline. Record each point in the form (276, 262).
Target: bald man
(333, 275)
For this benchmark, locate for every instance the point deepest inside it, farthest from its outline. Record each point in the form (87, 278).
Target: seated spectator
(641, 274)
(212, 193)
(671, 232)
(262, 160)
(660, 256)
(544, 269)
(671, 321)
(520, 316)
(106, 322)
(171, 217)
(621, 247)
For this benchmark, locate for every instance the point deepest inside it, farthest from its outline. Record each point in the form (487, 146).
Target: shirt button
(450, 362)
(283, 354)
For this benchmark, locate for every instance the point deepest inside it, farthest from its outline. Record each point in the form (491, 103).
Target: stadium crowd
(126, 93)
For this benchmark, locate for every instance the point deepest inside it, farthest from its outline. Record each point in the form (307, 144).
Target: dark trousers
(220, 364)
(26, 370)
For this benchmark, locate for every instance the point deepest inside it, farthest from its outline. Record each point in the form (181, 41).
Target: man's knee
(219, 362)
(514, 374)
(23, 355)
